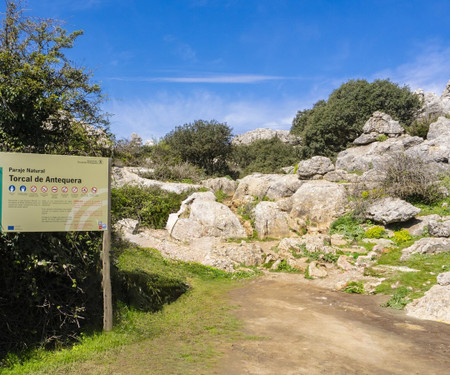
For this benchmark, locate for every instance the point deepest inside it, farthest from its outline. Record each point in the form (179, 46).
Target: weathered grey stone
(319, 202)
(427, 246)
(338, 240)
(273, 186)
(434, 305)
(444, 278)
(341, 176)
(201, 216)
(270, 221)
(343, 263)
(416, 226)
(317, 165)
(366, 260)
(264, 133)
(382, 123)
(391, 210)
(317, 270)
(439, 228)
(365, 139)
(125, 176)
(227, 185)
(126, 226)
(439, 129)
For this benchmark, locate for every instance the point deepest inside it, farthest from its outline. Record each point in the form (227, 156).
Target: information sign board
(53, 193)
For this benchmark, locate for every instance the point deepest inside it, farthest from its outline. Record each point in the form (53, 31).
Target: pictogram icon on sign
(12, 188)
(84, 189)
(23, 189)
(94, 190)
(64, 189)
(74, 189)
(54, 189)
(44, 189)
(33, 189)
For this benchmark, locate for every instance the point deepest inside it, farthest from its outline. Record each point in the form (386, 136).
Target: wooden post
(106, 271)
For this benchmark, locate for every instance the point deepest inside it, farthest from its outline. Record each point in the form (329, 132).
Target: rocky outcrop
(391, 210)
(316, 166)
(427, 246)
(433, 105)
(270, 221)
(263, 133)
(435, 304)
(418, 225)
(201, 216)
(439, 228)
(319, 202)
(272, 186)
(126, 176)
(225, 184)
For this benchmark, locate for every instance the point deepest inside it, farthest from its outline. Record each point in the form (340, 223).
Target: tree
(47, 105)
(206, 144)
(330, 125)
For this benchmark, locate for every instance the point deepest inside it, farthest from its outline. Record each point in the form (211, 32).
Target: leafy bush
(329, 126)
(375, 232)
(206, 144)
(150, 206)
(130, 152)
(348, 226)
(180, 172)
(401, 236)
(264, 156)
(411, 179)
(399, 300)
(356, 287)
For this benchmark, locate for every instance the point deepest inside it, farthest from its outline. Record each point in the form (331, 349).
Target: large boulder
(225, 184)
(264, 133)
(435, 304)
(382, 123)
(433, 105)
(320, 202)
(270, 221)
(201, 216)
(272, 186)
(391, 210)
(428, 246)
(317, 165)
(439, 228)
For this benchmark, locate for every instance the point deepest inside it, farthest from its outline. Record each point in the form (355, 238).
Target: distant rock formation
(264, 133)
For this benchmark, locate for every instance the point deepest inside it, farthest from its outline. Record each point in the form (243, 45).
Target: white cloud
(429, 70)
(154, 117)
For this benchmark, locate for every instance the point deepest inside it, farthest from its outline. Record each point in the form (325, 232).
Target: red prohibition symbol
(84, 189)
(64, 189)
(44, 189)
(54, 189)
(74, 189)
(94, 190)
(33, 189)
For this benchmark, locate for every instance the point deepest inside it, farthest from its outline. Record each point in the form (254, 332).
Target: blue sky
(249, 63)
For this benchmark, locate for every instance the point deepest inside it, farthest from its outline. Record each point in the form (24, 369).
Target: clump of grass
(375, 232)
(356, 287)
(347, 226)
(398, 301)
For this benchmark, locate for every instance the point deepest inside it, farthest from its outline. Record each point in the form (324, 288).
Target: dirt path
(295, 327)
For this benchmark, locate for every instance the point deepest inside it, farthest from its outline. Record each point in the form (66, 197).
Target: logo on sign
(44, 189)
(84, 189)
(33, 189)
(12, 188)
(64, 189)
(94, 190)
(74, 189)
(54, 189)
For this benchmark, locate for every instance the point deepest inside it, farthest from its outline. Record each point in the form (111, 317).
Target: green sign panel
(52, 193)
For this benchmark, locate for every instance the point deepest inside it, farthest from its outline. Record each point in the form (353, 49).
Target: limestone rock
(444, 278)
(366, 260)
(221, 183)
(270, 221)
(264, 133)
(416, 226)
(434, 305)
(391, 210)
(426, 246)
(365, 139)
(317, 270)
(343, 263)
(382, 123)
(317, 165)
(341, 176)
(126, 226)
(201, 216)
(273, 186)
(320, 202)
(439, 228)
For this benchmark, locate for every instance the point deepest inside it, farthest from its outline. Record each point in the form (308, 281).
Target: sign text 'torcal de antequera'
(53, 193)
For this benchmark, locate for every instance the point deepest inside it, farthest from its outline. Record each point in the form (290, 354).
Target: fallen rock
(270, 221)
(427, 246)
(391, 210)
(317, 165)
(201, 216)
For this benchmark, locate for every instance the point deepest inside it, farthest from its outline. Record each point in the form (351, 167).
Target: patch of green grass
(285, 267)
(356, 287)
(220, 195)
(183, 337)
(398, 301)
(441, 208)
(348, 227)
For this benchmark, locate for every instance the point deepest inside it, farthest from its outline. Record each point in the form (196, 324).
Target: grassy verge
(182, 338)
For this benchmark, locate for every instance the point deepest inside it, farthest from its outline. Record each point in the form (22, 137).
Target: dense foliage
(206, 144)
(49, 285)
(264, 156)
(330, 125)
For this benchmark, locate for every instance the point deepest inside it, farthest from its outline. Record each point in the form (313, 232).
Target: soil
(294, 326)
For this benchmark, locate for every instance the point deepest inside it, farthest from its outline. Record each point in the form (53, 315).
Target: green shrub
(356, 287)
(178, 172)
(401, 236)
(348, 226)
(375, 232)
(264, 156)
(399, 300)
(331, 125)
(150, 206)
(382, 138)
